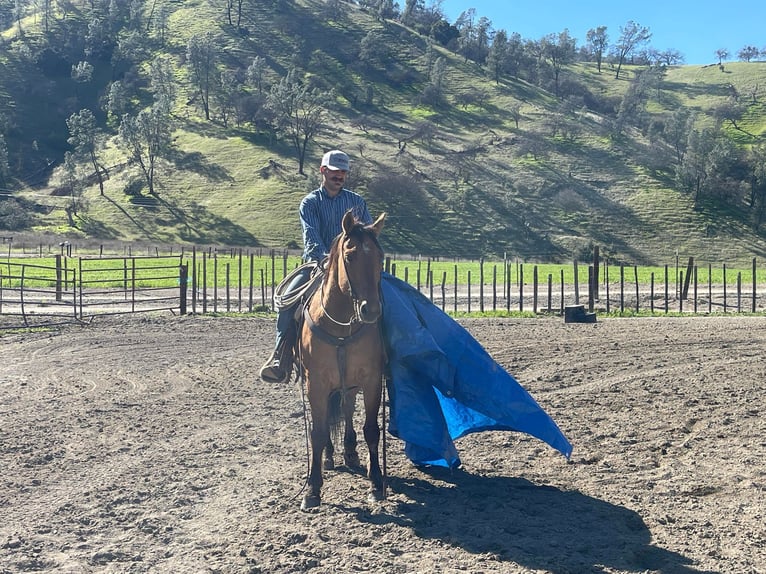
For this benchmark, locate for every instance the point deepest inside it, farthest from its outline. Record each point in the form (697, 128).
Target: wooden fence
(79, 288)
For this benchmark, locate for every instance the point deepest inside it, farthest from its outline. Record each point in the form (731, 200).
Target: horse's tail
(335, 413)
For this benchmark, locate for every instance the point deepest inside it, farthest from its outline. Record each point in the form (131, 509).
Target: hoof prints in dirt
(135, 446)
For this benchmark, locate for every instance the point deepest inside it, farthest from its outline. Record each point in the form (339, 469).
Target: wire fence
(40, 291)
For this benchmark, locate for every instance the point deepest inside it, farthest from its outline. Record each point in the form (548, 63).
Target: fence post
(469, 290)
(680, 298)
(455, 302)
(739, 292)
(595, 273)
(754, 276)
(689, 266)
(481, 284)
(561, 301)
(183, 277)
(550, 292)
(576, 283)
(622, 288)
(194, 279)
(58, 278)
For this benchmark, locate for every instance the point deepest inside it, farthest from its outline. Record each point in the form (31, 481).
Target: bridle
(358, 304)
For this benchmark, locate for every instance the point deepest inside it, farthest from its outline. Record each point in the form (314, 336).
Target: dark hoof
(352, 460)
(376, 496)
(329, 464)
(310, 501)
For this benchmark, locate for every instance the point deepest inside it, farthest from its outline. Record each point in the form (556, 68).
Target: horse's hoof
(329, 464)
(352, 461)
(310, 501)
(376, 496)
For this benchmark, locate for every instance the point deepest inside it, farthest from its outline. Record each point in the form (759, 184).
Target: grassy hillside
(479, 186)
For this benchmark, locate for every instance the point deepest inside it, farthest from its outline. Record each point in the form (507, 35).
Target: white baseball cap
(335, 160)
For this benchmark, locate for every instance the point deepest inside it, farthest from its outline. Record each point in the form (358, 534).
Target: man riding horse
(321, 213)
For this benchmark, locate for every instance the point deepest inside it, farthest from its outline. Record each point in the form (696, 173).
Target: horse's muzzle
(369, 312)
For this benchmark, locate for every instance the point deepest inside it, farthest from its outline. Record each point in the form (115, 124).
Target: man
(321, 213)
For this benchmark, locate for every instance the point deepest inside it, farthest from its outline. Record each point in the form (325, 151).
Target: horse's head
(359, 264)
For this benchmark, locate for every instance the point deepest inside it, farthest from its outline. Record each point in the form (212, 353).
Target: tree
(722, 54)
(730, 111)
(473, 43)
(559, 50)
(163, 84)
(161, 23)
(234, 12)
(757, 165)
(4, 168)
(82, 72)
(299, 112)
(226, 92)
(146, 137)
(201, 55)
(75, 188)
(515, 111)
(632, 36)
(706, 167)
(116, 100)
(412, 8)
(597, 41)
(374, 50)
(433, 93)
(498, 55)
(668, 57)
(255, 73)
(83, 137)
(677, 128)
(748, 53)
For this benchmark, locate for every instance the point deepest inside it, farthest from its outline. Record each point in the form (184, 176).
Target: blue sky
(695, 28)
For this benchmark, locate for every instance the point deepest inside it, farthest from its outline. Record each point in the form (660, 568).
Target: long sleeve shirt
(322, 216)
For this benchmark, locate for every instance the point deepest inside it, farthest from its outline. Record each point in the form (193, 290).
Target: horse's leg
(350, 454)
(329, 453)
(372, 398)
(320, 433)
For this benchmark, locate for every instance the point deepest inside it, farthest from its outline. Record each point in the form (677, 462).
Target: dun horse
(341, 352)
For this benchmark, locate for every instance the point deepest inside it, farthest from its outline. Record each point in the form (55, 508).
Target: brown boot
(279, 366)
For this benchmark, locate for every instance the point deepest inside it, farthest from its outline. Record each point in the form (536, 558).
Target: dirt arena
(147, 444)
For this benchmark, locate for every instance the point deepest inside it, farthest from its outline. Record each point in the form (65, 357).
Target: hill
(470, 167)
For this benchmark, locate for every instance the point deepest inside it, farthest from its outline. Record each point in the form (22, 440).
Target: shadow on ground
(538, 527)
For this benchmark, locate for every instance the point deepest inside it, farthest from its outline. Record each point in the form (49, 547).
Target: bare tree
(722, 54)
(748, 53)
(632, 36)
(300, 113)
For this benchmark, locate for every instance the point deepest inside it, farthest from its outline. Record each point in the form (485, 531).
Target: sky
(697, 29)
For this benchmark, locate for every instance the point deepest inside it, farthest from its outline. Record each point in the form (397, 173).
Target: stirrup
(273, 372)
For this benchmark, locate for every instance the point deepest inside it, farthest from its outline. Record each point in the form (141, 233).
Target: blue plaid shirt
(321, 218)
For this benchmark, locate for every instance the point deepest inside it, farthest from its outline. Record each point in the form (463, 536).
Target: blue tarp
(445, 385)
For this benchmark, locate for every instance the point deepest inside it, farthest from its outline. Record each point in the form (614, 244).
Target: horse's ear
(377, 226)
(348, 221)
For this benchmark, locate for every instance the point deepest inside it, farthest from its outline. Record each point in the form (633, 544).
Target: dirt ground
(147, 443)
